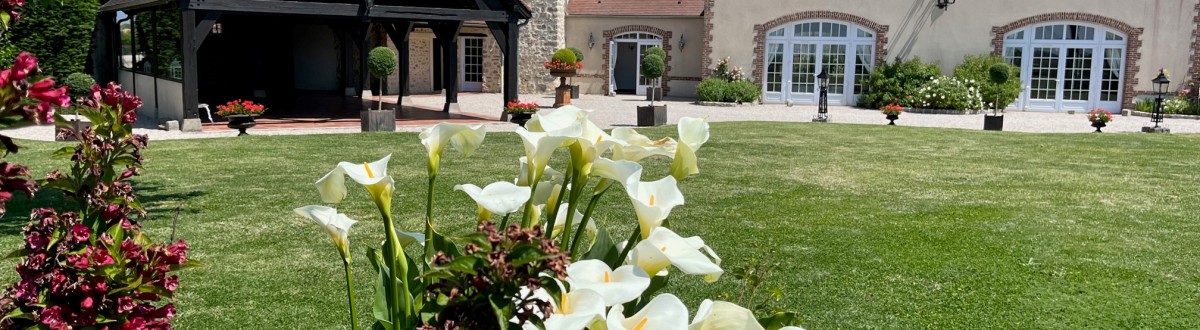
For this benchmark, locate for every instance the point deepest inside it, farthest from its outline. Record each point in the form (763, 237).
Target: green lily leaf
(779, 320)
(20, 253)
(603, 249)
(503, 308)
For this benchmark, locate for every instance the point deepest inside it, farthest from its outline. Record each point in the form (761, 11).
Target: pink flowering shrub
(94, 268)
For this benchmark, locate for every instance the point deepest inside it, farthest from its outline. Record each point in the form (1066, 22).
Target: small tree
(999, 74)
(381, 63)
(652, 68)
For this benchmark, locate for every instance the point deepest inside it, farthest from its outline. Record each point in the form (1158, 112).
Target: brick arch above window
(609, 35)
(760, 34)
(1133, 40)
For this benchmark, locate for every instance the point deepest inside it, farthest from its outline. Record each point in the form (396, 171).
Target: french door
(795, 67)
(471, 64)
(641, 42)
(1067, 67)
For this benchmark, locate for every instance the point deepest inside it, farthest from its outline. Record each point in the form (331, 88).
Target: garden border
(944, 111)
(1136, 113)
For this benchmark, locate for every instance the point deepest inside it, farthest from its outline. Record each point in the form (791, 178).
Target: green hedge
(719, 90)
(897, 83)
(57, 32)
(976, 68)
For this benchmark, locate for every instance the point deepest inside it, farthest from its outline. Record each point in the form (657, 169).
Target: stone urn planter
(653, 115)
(1098, 125)
(892, 119)
(74, 125)
(520, 118)
(993, 123)
(562, 94)
(241, 123)
(378, 120)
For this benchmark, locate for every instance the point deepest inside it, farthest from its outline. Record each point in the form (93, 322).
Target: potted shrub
(578, 65)
(1099, 118)
(998, 74)
(381, 63)
(520, 112)
(893, 112)
(563, 65)
(241, 114)
(652, 115)
(79, 85)
(654, 92)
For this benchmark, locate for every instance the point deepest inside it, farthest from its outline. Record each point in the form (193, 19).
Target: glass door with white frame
(471, 64)
(1067, 67)
(797, 53)
(641, 42)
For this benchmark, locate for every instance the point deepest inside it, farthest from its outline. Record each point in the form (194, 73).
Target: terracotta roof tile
(636, 7)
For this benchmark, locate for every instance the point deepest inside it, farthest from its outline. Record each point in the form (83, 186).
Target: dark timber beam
(282, 7)
(447, 32)
(398, 33)
(191, 70)
(204, 28)
(512, 37)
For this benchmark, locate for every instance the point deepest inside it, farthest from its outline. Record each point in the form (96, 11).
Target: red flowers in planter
(516, 106)
(240, 107)
(559, 65)
(892, 109)
(1099, 116)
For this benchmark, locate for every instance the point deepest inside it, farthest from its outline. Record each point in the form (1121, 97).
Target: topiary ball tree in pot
(381, 63)
(654, 93)
(652, 68)
(998, 75)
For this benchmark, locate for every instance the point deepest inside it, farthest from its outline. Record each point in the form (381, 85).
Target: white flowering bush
(1174, 106)
(950, 93)
(537, 260)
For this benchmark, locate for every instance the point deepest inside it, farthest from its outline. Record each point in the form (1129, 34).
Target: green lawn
(873, 226)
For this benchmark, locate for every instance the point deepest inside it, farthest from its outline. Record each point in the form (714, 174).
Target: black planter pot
(520, 118)
(574, 92)
(993, 123)
(1098, 125)
(655, 115)
(76, 124)
(654, 94)
(378, 120)
(241, 123)
(892, 119)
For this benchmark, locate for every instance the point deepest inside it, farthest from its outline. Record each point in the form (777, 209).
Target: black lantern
(944, 4)
(1161, 85)
(823, 103)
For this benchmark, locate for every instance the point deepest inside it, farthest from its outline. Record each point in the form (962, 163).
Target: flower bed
(1136, 113)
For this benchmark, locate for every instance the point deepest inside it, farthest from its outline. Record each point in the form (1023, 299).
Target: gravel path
(621, 111)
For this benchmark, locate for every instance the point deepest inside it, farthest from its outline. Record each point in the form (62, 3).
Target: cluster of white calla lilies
(594, 295)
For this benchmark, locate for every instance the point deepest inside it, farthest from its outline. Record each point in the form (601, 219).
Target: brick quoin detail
(1133, 46)
(706, 48)
(760, 34)
(1194, 71)
(666, 39)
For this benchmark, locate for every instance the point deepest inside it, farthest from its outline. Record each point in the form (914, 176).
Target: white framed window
(1067, 66)
(798, 51)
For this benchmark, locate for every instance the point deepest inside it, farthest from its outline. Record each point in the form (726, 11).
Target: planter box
(575, 92)
(378, 120)
(652, 115)
(654, 94)
(75, 124)
(520, 118)
(943, 111)
(562, 96)
(993, 123)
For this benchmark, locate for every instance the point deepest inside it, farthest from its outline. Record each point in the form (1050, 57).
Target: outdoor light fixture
(944, 4)
(1161, 84)
(216, 29)
(823, 103)
(591, 40)
(682, 41)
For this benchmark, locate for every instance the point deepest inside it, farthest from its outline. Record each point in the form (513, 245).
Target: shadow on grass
(160, 204)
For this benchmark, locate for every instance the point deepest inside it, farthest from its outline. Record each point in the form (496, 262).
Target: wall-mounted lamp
(682, 41)
(944, 4)
(217, 29)
(591, 40)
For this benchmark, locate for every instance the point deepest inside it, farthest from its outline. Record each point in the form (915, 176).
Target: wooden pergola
(397, 17)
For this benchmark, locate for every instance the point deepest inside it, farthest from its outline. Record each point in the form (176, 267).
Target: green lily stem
(633, 240)
(572, 203)
(587, 216)
(429, 219)
(399, 269)
(527, 215)
(552, 217)
(350, 294)
(504, 223)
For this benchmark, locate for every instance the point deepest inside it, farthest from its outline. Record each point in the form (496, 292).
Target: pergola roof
(424, 10)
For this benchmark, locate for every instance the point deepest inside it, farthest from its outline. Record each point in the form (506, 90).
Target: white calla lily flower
(576, 310)
(499, 198)
(566, 121)
(337, 224)
(548, 174)
(373, 176)
(636, 147)
(464, 138)
(623, 171)
(561, 220)
(653, 201)
(666, 248)
(664, 312)
(617, 287)
(723, 315)
(791, 327)
(539, 147)
(366, 173)
(332, 186)
(693, 132)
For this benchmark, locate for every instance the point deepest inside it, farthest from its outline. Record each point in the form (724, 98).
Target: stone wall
(420, 61)
(493, 66)
(545, 33)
